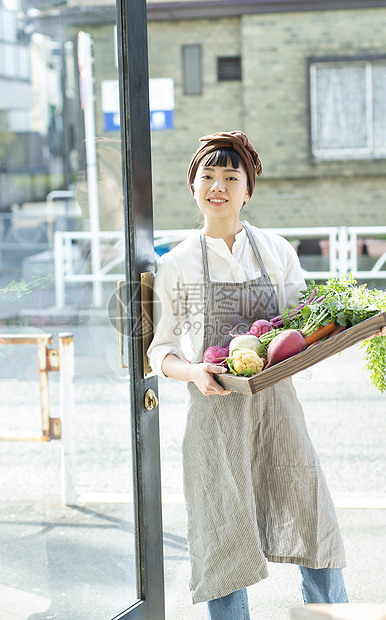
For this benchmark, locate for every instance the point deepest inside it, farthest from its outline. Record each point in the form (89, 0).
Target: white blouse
(178, 309)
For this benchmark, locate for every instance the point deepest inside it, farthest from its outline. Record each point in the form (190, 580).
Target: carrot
(338, 329)
(320, 332)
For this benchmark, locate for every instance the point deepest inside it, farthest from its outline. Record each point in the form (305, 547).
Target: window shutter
(229, 68)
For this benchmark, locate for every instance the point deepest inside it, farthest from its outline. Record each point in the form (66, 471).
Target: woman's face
(219, 191)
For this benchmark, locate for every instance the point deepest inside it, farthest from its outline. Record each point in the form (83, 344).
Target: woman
(253, 486)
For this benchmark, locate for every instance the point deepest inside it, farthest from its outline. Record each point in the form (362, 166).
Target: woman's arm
(199, 374)
(164, 352)
(166, 338)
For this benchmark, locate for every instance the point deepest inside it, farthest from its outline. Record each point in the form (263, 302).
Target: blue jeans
(231, 607)
(322, 585)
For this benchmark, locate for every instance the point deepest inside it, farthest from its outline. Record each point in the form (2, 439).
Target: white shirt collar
(219, 243)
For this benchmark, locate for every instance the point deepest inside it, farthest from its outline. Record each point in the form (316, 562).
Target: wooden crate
(305, 359)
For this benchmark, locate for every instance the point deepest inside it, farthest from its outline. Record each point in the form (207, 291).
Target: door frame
(139, 238)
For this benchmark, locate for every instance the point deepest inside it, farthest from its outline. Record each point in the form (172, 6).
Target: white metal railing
(343, 243)
(64, 195)
(330, 234)
(354, 233)
(66, 254)
(342, 258)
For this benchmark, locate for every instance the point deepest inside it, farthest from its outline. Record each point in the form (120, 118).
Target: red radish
(260, 327)
(215, 355)
(286, 344)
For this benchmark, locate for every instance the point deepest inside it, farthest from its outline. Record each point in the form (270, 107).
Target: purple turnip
(260, 327)
(286, 344)
(215, 355)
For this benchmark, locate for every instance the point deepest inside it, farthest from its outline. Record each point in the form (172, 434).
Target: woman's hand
(382, 332)
(201, 375)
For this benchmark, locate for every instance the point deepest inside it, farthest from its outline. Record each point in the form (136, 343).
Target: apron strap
(204, 258)
(256, 252)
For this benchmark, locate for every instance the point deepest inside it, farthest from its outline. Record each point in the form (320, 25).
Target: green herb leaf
(248, 372)
(230, 366)
(375, 361)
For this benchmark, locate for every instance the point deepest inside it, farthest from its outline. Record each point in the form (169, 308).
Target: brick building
(306, 80)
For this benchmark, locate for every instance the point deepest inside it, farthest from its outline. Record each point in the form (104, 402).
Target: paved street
(77, 563)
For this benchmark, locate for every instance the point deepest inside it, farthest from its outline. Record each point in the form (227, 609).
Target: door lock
(151, 400)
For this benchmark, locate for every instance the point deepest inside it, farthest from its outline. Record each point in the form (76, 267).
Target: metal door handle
(146, 295)
(151, 400)
(146, 319)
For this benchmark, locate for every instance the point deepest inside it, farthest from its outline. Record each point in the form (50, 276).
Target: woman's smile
(216, 201)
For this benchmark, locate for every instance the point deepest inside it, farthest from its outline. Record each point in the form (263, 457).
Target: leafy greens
(346, 303)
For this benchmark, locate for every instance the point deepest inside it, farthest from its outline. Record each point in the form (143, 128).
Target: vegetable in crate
(247, 341)
(260, 327)
(286, 344)
(349, 304)
(345, 303)
(216, 355)
(245, 362)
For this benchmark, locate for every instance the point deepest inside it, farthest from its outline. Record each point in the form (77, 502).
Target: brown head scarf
(228, 139)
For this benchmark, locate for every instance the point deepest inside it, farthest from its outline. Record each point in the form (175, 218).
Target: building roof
(98, 12)
(193, 9)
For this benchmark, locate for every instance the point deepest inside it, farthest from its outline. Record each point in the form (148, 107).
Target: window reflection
(61, 253)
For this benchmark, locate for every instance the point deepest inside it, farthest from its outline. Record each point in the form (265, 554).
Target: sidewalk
(77, 563)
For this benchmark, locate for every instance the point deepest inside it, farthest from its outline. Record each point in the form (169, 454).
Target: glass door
(79, 443)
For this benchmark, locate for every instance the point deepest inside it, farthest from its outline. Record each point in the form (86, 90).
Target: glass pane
(341, 107)
(379, 105)
(66, 504)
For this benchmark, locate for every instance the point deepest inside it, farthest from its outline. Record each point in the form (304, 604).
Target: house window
(348, 109)
(229, 68)
(191, 69)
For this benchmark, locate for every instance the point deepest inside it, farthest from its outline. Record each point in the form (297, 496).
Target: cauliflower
(246, 362)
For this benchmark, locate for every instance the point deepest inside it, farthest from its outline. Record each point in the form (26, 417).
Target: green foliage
(230, 365)
(348, 304)
(17, 289)
(20, 288)
(375, 361)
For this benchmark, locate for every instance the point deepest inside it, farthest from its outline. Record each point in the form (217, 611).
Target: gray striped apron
(253, 486)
